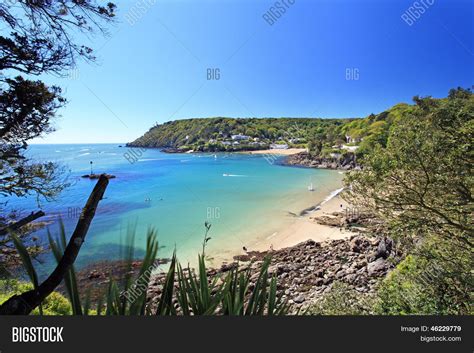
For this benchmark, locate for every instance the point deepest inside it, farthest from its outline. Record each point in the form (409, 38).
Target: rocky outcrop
(345, 161)
(306, 271)
(97, 176)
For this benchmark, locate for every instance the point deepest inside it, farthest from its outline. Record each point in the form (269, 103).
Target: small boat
(225, 174)
(310, 188)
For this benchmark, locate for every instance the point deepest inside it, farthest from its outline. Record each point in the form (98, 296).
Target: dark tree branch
(13, 227)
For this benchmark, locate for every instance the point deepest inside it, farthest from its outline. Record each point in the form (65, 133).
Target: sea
(244, 198)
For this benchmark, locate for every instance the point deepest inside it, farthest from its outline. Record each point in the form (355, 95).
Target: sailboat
(310, 187)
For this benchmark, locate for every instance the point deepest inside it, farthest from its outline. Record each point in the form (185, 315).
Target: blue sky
(152, 68)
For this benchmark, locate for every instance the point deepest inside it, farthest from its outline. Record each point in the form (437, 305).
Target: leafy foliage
(421, 185)
(419, 286)
(36, 40)
(54, 304)
(423, 180)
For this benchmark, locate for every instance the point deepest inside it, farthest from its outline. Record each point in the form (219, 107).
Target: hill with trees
(322, 137)
(236, 134)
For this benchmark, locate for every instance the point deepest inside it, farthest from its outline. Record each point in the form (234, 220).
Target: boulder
(377, 267)
(355, 245)
(299, 299)
(384, 248)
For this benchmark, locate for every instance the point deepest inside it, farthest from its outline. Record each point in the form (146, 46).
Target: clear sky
(331, 58)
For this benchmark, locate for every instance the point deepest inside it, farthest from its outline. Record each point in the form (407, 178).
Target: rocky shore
(308, 270)
(345, 161)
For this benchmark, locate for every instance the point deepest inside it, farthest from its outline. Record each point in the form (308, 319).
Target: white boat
(310, 188)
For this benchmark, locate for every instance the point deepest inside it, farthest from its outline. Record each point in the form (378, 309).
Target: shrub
(55, 303)
(419, 286)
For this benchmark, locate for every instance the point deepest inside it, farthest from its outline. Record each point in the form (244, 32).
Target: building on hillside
(240, 137)
(349, 148)
(350, 139)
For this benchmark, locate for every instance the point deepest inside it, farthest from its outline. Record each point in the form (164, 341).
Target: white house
(349, 148)
(239, 137)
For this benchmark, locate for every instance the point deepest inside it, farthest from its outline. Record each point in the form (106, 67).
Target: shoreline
(279, 152)
(275, 151)
(294, 157)
(304, 227)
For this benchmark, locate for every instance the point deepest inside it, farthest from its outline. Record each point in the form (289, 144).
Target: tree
(425, 172)
(422, 185)
(36, 40)
(39, 42)
(315, 145)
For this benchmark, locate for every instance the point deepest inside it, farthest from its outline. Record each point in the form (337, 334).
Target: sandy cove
(306, 228)
(302, 228)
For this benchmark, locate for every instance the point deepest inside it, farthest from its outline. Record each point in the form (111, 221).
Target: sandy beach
(279, 152)
(305, 228)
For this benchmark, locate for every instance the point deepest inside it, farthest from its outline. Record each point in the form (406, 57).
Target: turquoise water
(243, 196)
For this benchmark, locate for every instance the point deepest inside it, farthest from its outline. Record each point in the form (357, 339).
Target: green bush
(400, 294)
(418, 286)
(55, 303)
